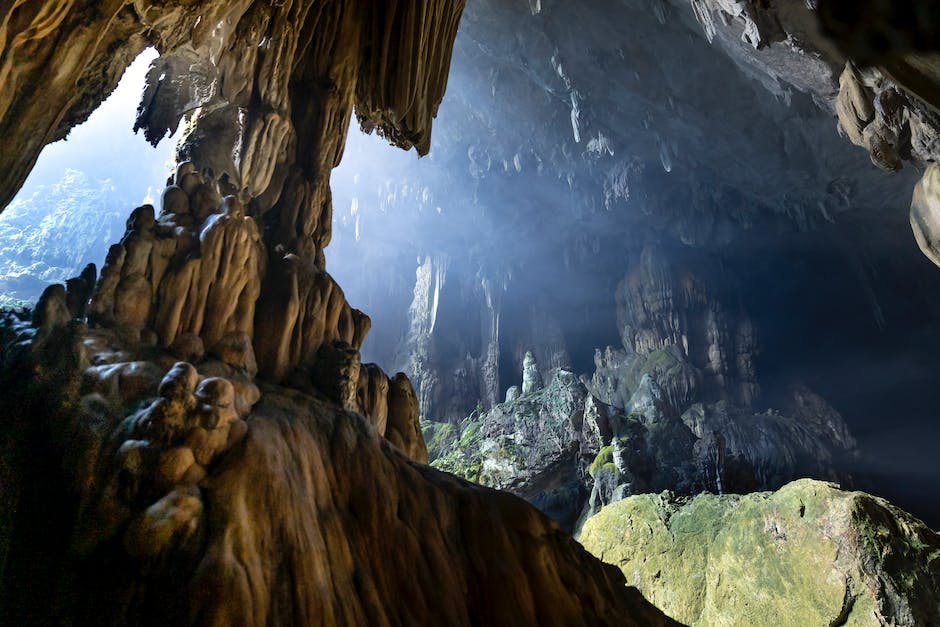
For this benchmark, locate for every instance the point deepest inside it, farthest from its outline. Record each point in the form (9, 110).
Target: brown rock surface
(304, 514)
(212, 499)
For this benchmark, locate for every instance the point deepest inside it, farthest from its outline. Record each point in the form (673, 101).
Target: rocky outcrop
(206, 447)
(809, 554)
(531, 377)
(529, 446)
(639, 425)
(224, 501)
(451, 348)
(925, 213)
(662, 303)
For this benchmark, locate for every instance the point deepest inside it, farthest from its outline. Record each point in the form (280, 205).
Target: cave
(469, 312)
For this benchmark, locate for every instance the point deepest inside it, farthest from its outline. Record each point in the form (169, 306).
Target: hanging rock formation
(206, 447)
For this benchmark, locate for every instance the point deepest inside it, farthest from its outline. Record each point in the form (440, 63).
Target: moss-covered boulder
(808, 554)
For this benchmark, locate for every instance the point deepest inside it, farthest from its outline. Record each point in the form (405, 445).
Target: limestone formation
(183, 511)
(662, 304)
(925, 213)
(808, 554)
(529, 446)
(531, 378)
(403, 430)
(298, 313)
(640, 424)
(452, 372)
(372, 395)
(207, 496)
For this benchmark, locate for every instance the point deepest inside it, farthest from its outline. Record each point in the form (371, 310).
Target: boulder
(807, 554)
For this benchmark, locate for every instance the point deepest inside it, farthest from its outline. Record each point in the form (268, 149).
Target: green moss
(439, 436)
(461, 456)
(603, 462)
(469, 434)
(784, 558)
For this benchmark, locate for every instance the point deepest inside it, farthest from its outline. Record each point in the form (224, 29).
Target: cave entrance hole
(76, 200)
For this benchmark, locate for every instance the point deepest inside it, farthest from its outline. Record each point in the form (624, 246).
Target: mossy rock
(604, 458)
(439, 436)
(808, 554)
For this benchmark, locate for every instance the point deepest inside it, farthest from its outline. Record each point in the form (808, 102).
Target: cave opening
(654, 281)
(548, 189)
(74, 203)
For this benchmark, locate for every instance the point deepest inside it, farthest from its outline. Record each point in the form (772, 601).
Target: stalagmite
(210, 445)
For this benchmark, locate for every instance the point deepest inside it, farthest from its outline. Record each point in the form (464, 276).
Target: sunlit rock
(925, 213)
(531, 377)
(809, 553)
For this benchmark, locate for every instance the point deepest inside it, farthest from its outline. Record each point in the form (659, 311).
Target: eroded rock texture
(809, 553)
(633, 153)
(205, 446)
(874, 63)
(642, 423)
(183, 493)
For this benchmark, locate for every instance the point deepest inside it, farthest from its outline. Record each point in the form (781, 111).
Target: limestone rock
(51, 310)
(809, 554)
(403, 429)
(452, 372)
(661, 303)
(596, 428)
(925, 213)
(168, 521)
(529, 446)
(372, 396)
(182, 512)
(187, 347)
(531, 377)
(129, 381)
(570, 453)
(300, 312)
(235, 349)
(78, 291)
(175, 517)
(337, 373)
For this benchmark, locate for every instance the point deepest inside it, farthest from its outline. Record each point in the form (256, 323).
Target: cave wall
(563, 154)
(198, 416)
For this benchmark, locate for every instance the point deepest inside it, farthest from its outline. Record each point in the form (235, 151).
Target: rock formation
(454, 369)
(224, 500)
(639, 425)
(661, 304)
(584, 120)
(197, 439)
(205, 445)
(528, 446)
(808, 554)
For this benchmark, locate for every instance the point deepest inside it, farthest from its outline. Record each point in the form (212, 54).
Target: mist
(554, 167)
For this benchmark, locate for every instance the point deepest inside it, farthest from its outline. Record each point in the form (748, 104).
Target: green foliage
(439, 436)
(457, 449)
(48, 237)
